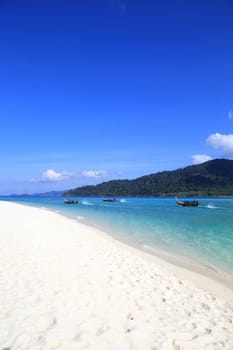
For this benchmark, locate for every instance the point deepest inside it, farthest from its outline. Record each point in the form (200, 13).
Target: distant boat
(70, 201)
(109, 200)
(187, 203)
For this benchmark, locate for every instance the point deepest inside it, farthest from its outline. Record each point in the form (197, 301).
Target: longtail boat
(187, 203)
(70, 201)
(109, 200)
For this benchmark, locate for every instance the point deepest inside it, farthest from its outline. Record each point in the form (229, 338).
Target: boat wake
(211, 206)
(86, 203)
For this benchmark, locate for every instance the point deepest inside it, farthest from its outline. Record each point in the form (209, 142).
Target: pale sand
(64, 285)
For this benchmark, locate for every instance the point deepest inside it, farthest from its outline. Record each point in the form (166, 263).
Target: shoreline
(202, 276)
(175, 262)
(66, 285)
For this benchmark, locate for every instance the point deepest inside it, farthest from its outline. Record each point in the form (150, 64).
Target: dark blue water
(204, 233)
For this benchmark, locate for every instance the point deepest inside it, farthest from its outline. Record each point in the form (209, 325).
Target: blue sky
(96, 90)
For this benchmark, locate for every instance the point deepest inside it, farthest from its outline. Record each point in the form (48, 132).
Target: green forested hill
(212, 178)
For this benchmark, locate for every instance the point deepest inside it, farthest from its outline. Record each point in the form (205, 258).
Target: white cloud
(95, 173)
(224, 142)
(200, 158)
(230, 114)
(51, 175)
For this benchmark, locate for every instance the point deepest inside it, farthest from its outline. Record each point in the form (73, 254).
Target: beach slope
(67, 286)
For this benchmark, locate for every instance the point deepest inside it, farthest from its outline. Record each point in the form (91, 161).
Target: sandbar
(67, 286)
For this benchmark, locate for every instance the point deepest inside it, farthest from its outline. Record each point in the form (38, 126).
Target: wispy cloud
(120, 6)
(223, 142)
(200, 158)
(230, 114)
(96, 174)
(51, 175)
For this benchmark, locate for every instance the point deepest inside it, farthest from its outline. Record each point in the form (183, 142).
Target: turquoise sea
(201, 234)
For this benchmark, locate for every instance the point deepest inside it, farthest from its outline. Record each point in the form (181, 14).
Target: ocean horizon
(200, 236)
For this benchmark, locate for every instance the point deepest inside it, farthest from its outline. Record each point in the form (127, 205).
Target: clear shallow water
(204, 234)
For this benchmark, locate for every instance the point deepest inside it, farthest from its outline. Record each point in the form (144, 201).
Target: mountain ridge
(212, 178)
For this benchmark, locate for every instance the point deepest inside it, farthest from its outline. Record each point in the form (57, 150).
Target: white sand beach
(68, 286)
